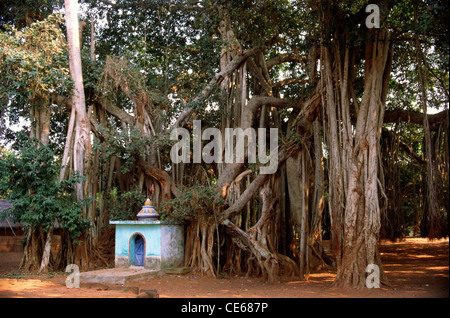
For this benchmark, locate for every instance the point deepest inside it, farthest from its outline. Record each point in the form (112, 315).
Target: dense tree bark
(41, 131)
(32, 253)
(82, 125)
(433, 214)
(355, 166)
(261, 219)
(415, 117)
(80, 149)
(353, 137)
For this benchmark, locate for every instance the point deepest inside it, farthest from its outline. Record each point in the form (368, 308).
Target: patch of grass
(15, 275)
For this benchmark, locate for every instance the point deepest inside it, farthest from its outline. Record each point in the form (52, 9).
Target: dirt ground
(416, 268)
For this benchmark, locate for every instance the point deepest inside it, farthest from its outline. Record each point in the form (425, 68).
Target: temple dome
(147, 211)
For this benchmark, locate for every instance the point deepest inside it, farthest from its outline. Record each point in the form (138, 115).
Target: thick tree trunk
(47, 250)
(315, 235)
(335, 171)
(433, 214)
(361, 219)
(82, 125)
(41, 131)
(44, 123)
(304, 226)
(68, 147)
(81, 146)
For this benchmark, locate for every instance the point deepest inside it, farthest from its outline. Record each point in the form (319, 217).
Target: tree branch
(153, 5)
(288, 81)
(405, 147)
(257, 73)
(162, 177)
(216, 80)
(122, 115)
(287, 57)
(415, 117)
(237, 60)
(283, 155)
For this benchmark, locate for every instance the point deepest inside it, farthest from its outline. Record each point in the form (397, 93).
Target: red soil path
(416, 268)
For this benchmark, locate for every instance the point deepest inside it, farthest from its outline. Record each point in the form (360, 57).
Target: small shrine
(149, 242)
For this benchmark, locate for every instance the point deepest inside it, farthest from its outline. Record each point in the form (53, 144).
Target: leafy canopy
(29, 179)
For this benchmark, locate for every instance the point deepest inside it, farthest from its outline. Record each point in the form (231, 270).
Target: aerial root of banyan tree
(219, 249)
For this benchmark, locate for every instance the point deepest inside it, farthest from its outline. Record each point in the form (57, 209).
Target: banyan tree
(347, 87)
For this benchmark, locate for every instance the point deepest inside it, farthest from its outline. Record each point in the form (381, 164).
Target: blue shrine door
(139, 251)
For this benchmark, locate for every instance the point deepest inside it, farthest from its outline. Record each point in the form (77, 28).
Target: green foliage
(430, 28)
(175, 50)
(128, 144)
(193, 202)
(20, 13)
(124, 144)
(168, 50)
(34, 61)
(126, 205)
(256, 21)
(33, 70)
(29, 179)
